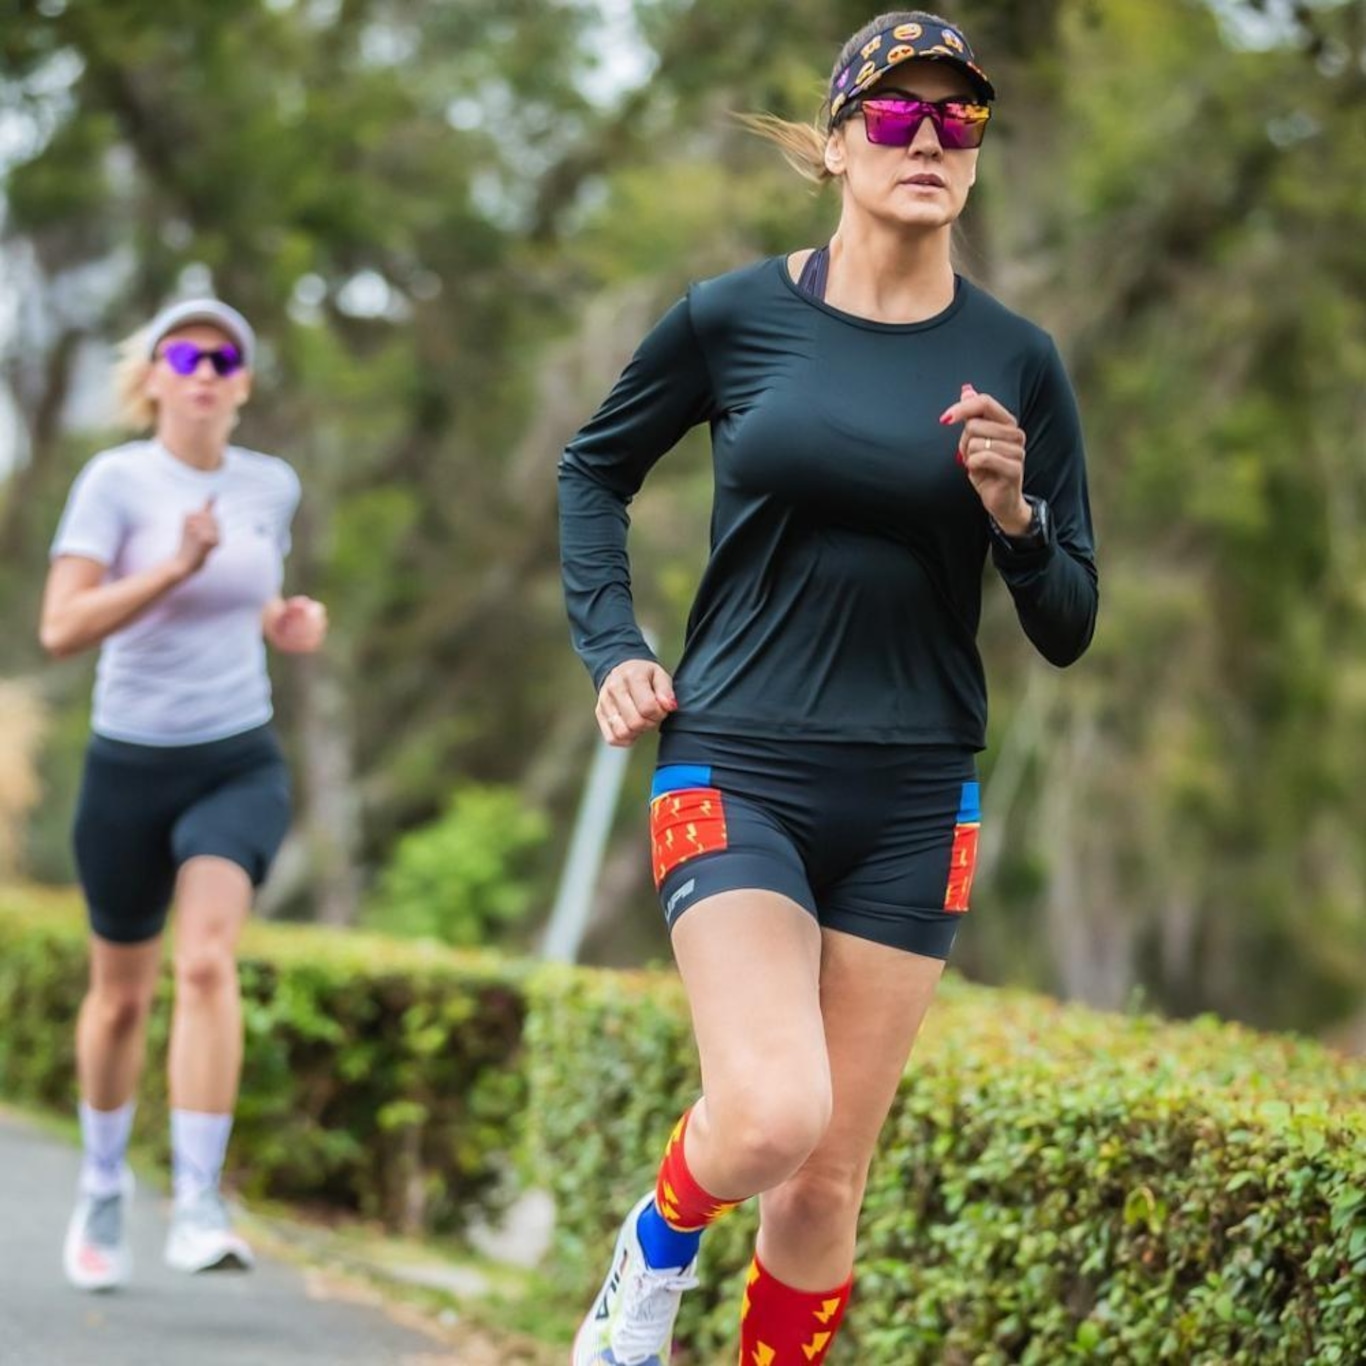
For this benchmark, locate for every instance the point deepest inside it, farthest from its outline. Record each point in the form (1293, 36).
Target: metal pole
(579, 879)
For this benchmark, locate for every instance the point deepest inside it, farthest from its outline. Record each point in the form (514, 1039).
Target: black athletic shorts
(878, 841)
(146, 809)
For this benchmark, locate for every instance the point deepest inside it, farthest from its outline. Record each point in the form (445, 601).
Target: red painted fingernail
(946, 418)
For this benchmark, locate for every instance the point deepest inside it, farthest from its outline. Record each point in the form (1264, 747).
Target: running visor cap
(902, 43)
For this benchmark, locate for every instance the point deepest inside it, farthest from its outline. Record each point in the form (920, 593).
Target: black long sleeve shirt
(843, 592)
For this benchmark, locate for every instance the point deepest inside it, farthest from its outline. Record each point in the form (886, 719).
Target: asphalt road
(276, 1315)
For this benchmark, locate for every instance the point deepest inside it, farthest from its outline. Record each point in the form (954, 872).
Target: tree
(451, 246)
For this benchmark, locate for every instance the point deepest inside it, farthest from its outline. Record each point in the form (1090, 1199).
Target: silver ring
(987, 446)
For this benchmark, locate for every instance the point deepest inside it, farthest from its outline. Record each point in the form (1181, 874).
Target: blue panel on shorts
(970, 804)
(677, 777)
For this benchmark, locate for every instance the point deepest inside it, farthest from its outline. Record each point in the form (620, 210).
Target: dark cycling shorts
(878, 841)
(146, 809)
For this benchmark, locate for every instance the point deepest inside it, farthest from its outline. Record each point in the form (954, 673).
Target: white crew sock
(104, 1139)
(199, 1143)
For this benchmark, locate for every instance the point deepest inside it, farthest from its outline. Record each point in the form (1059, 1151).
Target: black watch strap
(1036, 536)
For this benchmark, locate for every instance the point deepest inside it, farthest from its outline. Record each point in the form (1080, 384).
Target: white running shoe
(96, 1254)
(201, 1237)
(632, 1320)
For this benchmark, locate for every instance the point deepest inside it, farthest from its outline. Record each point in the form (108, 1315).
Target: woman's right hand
(198, 538)
(635, 697)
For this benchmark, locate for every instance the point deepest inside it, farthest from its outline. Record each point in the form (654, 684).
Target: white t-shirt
(192, 666)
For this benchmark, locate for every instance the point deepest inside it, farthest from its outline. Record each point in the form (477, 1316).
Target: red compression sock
(780, 1326)
(682, 1203)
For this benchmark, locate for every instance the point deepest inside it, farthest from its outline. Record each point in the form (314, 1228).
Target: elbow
(56, 641)
(1062, 652)
(1064, 657)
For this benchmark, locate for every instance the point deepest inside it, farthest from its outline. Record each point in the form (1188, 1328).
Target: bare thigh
(873, 1001)
(212, 905)
(750, 963)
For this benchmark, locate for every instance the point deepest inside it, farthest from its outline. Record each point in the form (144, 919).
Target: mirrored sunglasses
(183, 357)
(960, 124)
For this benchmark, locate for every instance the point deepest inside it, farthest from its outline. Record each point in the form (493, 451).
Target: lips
(932, 181)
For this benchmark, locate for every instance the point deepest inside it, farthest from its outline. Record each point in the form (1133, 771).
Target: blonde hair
(136, 409)
(803, 144)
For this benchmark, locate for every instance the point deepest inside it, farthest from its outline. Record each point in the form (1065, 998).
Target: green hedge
(1054, 1185)
(381, 1076)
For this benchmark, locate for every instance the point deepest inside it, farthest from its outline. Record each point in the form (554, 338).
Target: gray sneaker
(201, 1237)
(96, 1254)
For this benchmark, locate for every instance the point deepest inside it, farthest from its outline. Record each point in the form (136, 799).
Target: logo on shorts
(687, 889)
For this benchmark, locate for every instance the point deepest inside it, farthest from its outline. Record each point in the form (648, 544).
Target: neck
(193, 443)
(887, 274)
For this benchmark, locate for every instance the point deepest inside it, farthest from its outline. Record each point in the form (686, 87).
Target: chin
(929, 219)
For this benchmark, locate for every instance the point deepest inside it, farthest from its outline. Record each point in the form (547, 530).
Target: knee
(824, 1194)
(768, 1135)
(204, 970)
(121, 1010)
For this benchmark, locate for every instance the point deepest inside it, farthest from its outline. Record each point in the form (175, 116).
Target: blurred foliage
(465, 878)
(380, 1076)
(1052, 1185)
(451, 223)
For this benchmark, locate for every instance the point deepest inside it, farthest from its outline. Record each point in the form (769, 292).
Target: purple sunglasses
(183, 357)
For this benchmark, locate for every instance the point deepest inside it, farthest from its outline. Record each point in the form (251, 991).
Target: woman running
(815, 807)
(169, 557)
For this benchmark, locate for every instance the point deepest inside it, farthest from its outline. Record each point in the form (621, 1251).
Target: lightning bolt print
(668, 1202)
(811, 1350)
(683, 825)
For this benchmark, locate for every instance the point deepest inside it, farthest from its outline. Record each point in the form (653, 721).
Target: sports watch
(1036, 536)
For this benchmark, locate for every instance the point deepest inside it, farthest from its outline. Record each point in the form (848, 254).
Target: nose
(204, 369)
(926, 142)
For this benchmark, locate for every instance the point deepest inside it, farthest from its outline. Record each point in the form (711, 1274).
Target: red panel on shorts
(683, 825)
(962, 865)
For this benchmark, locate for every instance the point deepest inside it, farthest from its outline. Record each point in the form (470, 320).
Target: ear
(835, 159)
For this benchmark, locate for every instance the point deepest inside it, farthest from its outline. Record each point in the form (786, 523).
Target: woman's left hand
(296, 625)
(992, 450)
